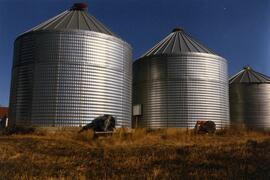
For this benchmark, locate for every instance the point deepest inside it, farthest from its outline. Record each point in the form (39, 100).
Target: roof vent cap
(178, 29)
(79, 6)
(247, 68)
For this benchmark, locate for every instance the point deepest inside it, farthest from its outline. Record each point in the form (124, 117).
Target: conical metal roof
(177, 42)
(76, 18)
(248, 75)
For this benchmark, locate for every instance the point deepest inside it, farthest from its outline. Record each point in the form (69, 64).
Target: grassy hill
(143, 154)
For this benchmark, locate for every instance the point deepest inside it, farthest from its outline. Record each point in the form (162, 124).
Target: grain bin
(250, 99)
(69, 70)
(178, 82)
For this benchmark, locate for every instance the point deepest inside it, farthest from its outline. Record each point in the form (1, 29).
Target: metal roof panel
(249, 76)
(76, 18)
(177, 42)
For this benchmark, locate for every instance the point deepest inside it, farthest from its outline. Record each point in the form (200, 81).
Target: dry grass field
(233, 153)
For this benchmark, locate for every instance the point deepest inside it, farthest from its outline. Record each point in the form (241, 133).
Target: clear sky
(238, 30)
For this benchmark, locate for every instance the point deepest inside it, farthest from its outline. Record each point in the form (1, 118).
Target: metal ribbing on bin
(179, 82)
(250, 99)
(69, 70)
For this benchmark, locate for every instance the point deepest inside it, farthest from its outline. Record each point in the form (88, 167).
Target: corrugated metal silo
(69, 70)
(250, 99)
(178, 82)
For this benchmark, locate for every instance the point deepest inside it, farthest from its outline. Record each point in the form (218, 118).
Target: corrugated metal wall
(250, 104)
(67, 78)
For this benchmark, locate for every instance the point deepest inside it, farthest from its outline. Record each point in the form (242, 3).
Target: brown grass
(234, 153)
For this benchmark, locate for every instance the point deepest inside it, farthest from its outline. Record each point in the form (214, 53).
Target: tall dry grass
(143, 136)
(232, 153)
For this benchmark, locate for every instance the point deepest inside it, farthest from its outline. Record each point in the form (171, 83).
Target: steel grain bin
(178, 82)
(69, 70)
(250, 99)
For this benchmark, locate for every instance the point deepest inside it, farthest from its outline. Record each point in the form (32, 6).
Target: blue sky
(238, 30)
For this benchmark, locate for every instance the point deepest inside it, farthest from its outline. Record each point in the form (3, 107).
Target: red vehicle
(3, 112)
(3, 116)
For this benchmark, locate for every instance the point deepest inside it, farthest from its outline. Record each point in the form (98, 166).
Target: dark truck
(205, 127)
(105, 123)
